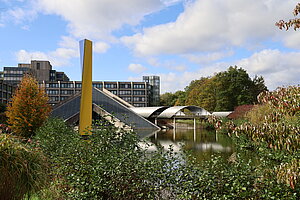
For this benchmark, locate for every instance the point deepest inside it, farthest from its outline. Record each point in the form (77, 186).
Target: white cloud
(137, 68)
(278, 68)
(97, 19)
(211, 25)
(208, 57)
(168, 64)
(100, 47)
(59, 57)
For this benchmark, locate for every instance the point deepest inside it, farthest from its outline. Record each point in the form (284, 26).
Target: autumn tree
(28, 109)
(292, 22)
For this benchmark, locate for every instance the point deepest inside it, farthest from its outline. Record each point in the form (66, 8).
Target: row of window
(12, 78)
(97, 85)
(115, 92)
(56, 98)
(135, 99)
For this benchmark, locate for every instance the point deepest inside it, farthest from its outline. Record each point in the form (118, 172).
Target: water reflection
(201, 143)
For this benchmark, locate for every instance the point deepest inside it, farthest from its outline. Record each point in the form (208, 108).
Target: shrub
(28, 109)
(22, 169)
(109, 165)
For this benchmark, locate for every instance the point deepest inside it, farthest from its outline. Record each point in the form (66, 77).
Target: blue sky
(179, 40)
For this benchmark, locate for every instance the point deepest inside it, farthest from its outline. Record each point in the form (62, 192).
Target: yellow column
(85, 117)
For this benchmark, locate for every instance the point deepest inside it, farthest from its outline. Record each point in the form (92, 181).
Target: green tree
(28, 109)
(167, 99)
(202, 93)
(235, 88)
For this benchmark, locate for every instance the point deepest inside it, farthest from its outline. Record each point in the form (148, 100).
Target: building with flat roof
(41, 70)
(59, 87)
(135, 93)
(154, 82)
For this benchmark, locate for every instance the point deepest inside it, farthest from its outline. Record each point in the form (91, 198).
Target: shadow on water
(201, 143)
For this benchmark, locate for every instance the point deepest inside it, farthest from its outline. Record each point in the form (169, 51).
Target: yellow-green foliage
(257, 114)
(289, 173)
(28, 109)
(276, 123)
(276, 120)
(22, 169)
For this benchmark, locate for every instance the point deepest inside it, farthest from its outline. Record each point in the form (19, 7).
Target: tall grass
(22, 168)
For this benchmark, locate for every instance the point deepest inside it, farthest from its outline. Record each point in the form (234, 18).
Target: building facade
(59, 87)
(154, 92)
(135, 93)
(41, 70)
(6, 91)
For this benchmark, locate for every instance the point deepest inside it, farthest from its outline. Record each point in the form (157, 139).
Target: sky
(178, 40)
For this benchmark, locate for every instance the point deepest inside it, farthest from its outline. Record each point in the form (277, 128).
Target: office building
(59, 87)
(6, 91)
(154, 83)
(135, 93)
(41, 70)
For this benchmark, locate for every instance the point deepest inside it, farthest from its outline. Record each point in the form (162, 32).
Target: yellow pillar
(85, 117)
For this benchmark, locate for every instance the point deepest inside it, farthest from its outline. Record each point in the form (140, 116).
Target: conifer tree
(28, 109)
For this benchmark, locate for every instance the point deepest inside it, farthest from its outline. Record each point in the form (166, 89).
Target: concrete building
(42, 70)
(154, 96)
(59, 87)
(135, 93)
(6, 91)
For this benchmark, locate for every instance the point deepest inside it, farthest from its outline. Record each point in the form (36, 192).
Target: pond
(200, 142)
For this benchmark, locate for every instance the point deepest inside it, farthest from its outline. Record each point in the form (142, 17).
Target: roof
(169, 112)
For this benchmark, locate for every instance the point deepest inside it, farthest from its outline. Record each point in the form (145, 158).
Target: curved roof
(169, 112)
(149, 111)
(179, 111)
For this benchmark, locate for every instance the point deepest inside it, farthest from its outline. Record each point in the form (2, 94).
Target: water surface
(200, 142)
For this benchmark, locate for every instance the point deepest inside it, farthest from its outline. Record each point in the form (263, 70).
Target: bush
(22, 169)
(112, 164)
(109, 165)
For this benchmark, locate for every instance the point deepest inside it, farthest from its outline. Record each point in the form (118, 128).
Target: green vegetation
(222, 92)
(29, 108)
(23, 169)
(271, 132)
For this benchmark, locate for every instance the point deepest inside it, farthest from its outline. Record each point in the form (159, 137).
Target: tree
(225, 90)
(28, 109)
(292, 22)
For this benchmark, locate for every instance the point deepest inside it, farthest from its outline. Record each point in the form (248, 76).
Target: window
(139, 86)
(66, 92)
(138, 92)
(125, 92)
(125, 85)
(78, 85)
(97, 85)
(53, 85)
(66, 85)
(115, 92)
(110, 85)
(38, 65)
(128, 99)
(137, 99)
(52, 92)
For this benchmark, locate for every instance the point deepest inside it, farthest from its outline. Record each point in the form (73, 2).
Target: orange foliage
(28, 109)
